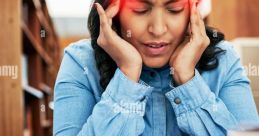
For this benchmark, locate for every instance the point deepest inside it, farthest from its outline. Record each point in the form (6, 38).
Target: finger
(203, 29)
(194, 21)
(113, 9)
(104, 22)
(203, 38)
(202, 25)
(185, 41)
(197, 25)
(193, 9)
(179, 48)
(189, 31)
(200, 20)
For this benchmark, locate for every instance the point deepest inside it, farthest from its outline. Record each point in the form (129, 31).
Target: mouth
(156, 48)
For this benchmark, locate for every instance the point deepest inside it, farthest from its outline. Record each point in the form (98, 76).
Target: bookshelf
(42, 50)
(28, 41)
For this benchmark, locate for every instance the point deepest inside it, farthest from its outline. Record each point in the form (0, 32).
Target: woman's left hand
(189, 52)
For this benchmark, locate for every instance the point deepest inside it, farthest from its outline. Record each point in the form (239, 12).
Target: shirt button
(177, 100)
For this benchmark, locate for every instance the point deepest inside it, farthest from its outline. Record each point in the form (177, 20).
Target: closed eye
(175, 10)
(140, 10)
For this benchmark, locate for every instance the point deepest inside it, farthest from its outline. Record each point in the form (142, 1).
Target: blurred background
(34, 33)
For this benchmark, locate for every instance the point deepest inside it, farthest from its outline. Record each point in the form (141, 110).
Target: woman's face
(154, 27)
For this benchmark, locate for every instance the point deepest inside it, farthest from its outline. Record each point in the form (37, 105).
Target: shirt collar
(163, 71)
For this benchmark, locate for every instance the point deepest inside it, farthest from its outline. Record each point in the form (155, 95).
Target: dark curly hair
(106, 65)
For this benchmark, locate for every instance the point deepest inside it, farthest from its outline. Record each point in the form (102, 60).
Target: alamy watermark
(129, 34)
(215, 33)
(251, 70)
(42, 33)
(125, 107)
(9, 71)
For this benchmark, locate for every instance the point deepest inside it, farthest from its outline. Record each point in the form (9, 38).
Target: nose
(157, 26)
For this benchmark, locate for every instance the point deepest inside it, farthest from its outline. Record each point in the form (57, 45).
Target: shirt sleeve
(200, 112)
(119, 112)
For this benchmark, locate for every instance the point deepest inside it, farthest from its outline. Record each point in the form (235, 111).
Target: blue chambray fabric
(211, 103)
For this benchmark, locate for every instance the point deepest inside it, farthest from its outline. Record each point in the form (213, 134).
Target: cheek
(131, 30)
(131, 25)
(177, 26)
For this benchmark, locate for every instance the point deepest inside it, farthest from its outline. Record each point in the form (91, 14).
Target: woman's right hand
(123, 53)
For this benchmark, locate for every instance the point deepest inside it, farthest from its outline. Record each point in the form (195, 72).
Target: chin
(155, 63)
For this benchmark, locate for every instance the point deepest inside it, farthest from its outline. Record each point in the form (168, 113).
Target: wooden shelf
(33, 91)
(43, 58)
(41, 16)
(36, 45)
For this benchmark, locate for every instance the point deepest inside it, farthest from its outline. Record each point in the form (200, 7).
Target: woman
(151, 68)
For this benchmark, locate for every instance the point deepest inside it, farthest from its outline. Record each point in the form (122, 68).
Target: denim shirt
(211, 103)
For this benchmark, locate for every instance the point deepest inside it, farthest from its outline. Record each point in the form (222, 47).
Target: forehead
(156, 1)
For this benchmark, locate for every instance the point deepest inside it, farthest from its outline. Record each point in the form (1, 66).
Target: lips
(156, 48)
